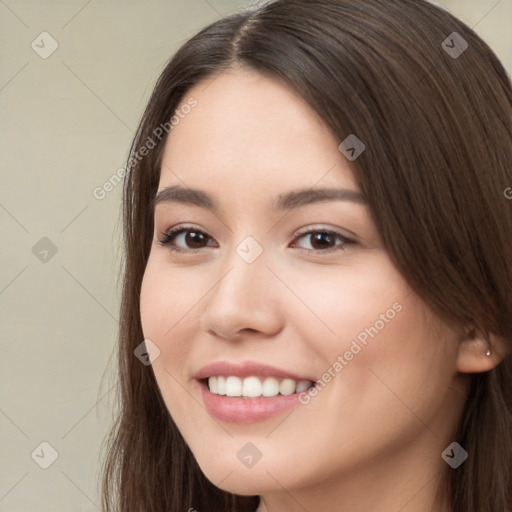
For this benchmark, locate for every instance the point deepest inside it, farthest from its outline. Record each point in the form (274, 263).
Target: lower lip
(245, 410)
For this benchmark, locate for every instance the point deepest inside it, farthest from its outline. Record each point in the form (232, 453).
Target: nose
(244, 302)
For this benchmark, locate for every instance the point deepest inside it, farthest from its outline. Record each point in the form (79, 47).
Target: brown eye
(324, 241)
(192, 239)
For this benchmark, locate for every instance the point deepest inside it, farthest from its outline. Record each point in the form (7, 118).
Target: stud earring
(488, 353)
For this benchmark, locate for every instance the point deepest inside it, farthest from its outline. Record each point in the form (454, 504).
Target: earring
(488, 353)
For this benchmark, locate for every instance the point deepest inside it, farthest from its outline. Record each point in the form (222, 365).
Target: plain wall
(67, 121)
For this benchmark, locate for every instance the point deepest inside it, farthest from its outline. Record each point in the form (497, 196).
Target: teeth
(213, 385)
(302, 385)
(233, 386)
(253, 387)
(221, 386)
(270, 387)
(287, 387)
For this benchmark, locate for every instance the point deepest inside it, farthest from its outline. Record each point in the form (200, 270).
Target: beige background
(66, 125)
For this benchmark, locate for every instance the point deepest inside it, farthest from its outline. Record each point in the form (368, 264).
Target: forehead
(252, 127)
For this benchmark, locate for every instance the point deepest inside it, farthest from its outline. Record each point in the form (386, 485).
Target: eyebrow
(293, 199)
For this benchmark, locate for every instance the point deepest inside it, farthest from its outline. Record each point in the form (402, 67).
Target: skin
(373, 436)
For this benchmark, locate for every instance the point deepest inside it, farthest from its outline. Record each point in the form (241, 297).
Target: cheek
(345, 302)
(161, 307)
(372, 333)
(152, 312)
(165, 299)
(168, 310)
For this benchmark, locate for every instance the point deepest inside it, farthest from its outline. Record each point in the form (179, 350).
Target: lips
(249, 392)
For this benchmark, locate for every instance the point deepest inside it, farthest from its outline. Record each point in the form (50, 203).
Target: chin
(230, 474)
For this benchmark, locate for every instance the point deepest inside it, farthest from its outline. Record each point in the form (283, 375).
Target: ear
(473, 348)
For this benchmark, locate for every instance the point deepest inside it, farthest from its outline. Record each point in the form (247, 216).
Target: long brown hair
(435, 116)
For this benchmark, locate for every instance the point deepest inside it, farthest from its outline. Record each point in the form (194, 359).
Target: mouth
(249, 392)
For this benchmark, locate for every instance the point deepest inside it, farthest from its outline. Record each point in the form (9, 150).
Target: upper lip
(246, 369)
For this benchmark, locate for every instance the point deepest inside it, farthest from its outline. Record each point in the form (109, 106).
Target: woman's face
(279, 280)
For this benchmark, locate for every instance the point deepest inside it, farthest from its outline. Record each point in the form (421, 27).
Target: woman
(317, 304)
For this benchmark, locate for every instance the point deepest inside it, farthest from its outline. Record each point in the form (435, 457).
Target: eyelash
(169, 236)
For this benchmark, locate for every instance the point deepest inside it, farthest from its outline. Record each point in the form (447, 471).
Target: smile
(249, 392)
